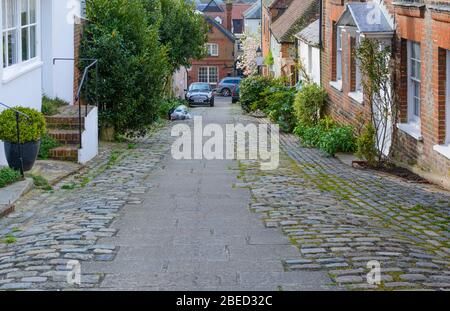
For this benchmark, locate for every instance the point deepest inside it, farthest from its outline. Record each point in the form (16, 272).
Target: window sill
(16, 71)
(443, 149)
(410, 129)
(357, 96)
(337, 85)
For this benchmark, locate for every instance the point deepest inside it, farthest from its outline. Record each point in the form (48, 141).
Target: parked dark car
(200, 93)
(226, 86)
(235, 94)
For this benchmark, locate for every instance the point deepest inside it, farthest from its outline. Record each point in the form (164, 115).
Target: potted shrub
(31, 131)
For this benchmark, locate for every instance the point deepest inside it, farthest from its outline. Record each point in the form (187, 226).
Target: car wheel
(226, 92)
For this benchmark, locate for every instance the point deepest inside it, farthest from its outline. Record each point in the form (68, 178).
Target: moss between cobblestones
(9, 239)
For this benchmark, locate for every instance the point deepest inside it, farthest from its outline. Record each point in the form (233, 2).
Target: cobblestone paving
(51, 228)
(340, 218)
(337, 216)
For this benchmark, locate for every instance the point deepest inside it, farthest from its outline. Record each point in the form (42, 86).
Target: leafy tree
(132, 63)
(247, 61)
(181, 30)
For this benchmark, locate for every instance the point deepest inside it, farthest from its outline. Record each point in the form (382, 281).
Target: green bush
(365, 145)
(338, 139)
(8, 176)
(47, 143)
(309, 104)
(327, 136)
(31, 129)
(251, 89)
(279, 106)
(50, 106)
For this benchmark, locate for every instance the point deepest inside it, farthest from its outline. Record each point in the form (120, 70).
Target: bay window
(19, 31)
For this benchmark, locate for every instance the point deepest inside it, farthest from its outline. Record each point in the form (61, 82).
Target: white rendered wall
(252, 26)
(275, 47)
(315, 60)
(89, 138)
(58, 42)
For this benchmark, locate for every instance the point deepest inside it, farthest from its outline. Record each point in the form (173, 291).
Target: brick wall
(430, 28)
(340, 106)
(78, 32)
(224, 62)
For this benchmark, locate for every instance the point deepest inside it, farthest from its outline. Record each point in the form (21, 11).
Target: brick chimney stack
(229, 9)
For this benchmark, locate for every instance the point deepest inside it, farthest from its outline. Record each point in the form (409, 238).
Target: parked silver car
(227, 85)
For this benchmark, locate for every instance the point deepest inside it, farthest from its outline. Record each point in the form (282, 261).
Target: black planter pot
(30, 152)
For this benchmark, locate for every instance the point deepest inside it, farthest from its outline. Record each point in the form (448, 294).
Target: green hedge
(309, 104)
(31, 129)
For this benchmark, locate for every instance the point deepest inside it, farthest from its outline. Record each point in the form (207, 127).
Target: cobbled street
(137, 219)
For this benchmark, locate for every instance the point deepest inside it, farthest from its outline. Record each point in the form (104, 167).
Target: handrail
(16, 111)
(19, 145)
(84, 77)
(84, 80)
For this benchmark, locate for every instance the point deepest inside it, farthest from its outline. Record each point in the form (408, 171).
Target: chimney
(229, 9)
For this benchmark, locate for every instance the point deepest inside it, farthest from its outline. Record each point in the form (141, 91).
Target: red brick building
(220, 61)
(420, 41)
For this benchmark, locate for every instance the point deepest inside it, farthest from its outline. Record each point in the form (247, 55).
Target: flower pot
(30, 152)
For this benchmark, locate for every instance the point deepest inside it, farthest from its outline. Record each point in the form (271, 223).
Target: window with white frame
(213, 49)
(208, 74)
(338, 53)
(447, 101)
(414, 82)
(19, 31)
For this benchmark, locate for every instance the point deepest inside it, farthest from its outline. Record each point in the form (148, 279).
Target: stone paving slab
(10, 194)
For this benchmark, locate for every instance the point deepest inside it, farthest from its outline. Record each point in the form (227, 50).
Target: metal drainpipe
(320, 22)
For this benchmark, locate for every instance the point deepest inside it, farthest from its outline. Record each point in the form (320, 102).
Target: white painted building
(309, 51)
(34, 33)
(57, 42)
(252, 19)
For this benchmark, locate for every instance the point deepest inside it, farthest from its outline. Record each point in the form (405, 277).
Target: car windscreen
(199, 88)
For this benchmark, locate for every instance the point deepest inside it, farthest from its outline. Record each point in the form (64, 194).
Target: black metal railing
(83, 83)
(19, 145)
